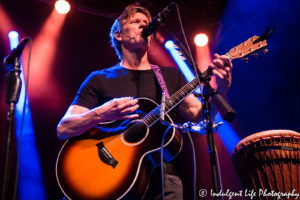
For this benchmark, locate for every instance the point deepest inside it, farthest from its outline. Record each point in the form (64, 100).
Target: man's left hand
(222, 68)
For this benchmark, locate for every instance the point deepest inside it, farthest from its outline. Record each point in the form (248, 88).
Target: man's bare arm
(79, 119)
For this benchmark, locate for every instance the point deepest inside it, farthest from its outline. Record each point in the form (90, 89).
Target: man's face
(131, 35)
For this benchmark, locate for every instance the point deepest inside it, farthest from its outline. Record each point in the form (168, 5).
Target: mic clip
(201, 127)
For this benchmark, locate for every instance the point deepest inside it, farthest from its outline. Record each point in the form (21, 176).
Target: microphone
(149, 28)
(163, 107)
(9, 60)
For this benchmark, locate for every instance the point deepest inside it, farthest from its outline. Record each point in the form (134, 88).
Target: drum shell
(271, 170)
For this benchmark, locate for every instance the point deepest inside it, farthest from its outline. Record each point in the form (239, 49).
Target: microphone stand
(12, 94)
(225, 110)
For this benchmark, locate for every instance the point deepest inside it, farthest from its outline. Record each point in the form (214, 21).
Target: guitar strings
(136, 129)
(130, 133)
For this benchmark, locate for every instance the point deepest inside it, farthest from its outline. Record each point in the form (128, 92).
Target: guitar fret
(152, 118)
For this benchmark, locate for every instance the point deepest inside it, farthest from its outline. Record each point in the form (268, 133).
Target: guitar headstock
(251, 46)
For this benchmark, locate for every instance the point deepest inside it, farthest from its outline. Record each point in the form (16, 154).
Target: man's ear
(118, 36)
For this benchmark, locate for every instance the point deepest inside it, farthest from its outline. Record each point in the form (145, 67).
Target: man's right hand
(118, 109)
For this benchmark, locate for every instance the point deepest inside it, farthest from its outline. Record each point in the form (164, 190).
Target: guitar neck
(174, 100)
(241, 51)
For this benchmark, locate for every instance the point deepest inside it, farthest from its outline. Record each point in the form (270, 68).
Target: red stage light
(201, 40)
(62, 6)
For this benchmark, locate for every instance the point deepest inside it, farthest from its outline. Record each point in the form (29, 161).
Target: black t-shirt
(115, 82)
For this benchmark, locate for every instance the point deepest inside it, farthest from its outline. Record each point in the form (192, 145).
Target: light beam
(30, 181)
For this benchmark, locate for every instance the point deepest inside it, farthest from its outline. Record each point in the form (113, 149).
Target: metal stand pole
(12, 94)
(211, 146)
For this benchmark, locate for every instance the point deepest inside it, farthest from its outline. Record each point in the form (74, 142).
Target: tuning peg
(265, 51)
(246, 59)
(255, 55)
(259, 45)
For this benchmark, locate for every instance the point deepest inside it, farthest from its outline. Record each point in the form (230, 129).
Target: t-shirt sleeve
(89, 92)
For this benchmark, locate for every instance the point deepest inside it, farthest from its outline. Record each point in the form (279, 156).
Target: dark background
(265, 92)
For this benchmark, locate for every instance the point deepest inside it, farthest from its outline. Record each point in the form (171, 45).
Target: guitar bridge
(105, 156)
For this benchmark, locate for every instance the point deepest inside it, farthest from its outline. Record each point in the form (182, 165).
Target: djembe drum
(269, 161)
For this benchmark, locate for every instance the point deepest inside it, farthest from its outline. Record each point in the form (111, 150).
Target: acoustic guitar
(115, 159)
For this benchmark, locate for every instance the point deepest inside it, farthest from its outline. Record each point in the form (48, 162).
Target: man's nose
(142, 24)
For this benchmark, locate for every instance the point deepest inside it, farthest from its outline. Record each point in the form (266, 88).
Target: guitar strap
(160, 79)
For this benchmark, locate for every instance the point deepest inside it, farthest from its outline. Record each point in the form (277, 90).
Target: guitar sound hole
(135, 132)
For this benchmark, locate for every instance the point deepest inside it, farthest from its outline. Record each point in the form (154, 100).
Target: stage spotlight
(169, 44)
(13, 34)
(62, 6)
(13, 39)
(201, 40)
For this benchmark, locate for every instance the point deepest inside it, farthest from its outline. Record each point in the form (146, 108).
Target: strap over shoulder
(160, 79)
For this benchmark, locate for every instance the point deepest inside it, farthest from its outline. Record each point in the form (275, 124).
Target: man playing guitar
(110, 94)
